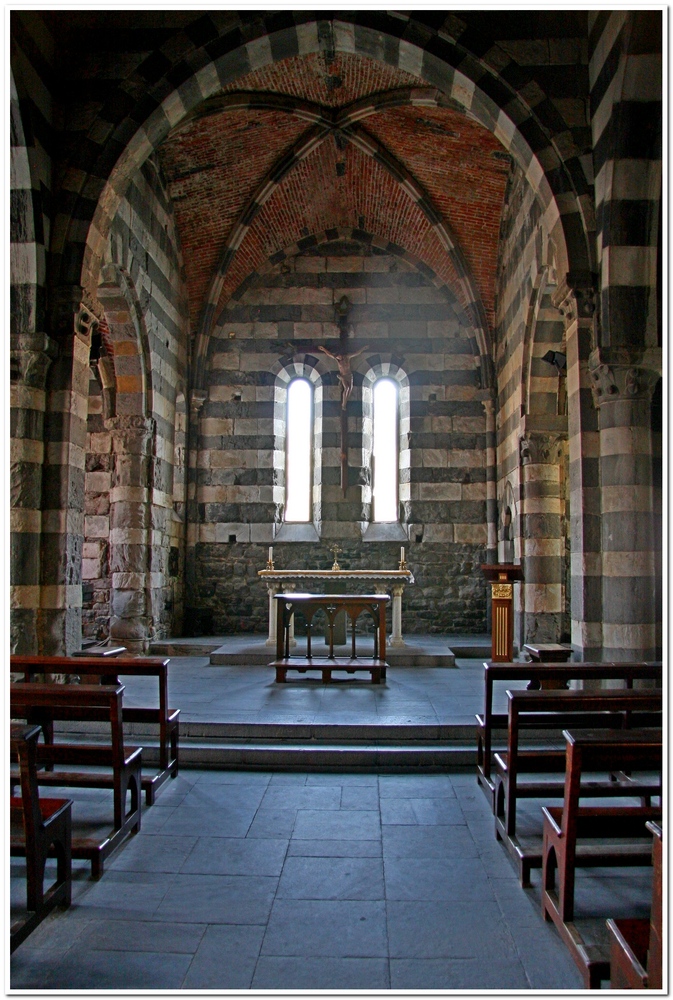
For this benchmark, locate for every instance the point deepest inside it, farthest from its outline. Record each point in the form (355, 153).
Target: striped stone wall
(625, 367)
(31, 349)
(531, 420)
(411, 333)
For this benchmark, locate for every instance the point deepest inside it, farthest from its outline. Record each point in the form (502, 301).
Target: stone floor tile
(330, 825)
(234, 856)
(226, 959)
(288, 778)
(344, 780)
(218, 899)
(342, 878)
(413, 786)
(436, 878)
(461, 929)
(141, 935)
(360, 797)
(428, 842)
(153, 852)
(338, 928)
(102, 970)
(334, 848)
(217, 777)
(457, 974)
(332, 974)
(272, 823)
(302, 797)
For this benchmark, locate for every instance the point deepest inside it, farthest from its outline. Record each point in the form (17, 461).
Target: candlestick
(402, 554)
(270, 553)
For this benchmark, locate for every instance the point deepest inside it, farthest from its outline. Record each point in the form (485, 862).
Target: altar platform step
(328, 747)
(248, 650)
(297, 746)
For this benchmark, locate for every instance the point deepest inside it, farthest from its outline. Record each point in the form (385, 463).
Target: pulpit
(502, 577)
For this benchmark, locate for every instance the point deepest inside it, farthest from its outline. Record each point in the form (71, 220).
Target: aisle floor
(244, 881)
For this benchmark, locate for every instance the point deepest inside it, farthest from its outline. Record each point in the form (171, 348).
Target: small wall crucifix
(345, 376)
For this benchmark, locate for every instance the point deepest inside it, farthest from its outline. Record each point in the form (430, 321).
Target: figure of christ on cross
(345, 372)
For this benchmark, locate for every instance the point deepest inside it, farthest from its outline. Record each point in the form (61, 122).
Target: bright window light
(385, 451)
(298, 453)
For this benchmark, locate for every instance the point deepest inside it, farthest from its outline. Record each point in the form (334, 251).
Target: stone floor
(249, 880)
(208, 693)
(243, 880)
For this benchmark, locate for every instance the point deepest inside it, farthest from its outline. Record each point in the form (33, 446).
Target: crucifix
(345, 376)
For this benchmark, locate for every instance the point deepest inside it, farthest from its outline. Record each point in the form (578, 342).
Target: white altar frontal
(383, 581)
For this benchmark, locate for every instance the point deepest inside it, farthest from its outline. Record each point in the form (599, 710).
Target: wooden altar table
(331, 604)
(383, 581)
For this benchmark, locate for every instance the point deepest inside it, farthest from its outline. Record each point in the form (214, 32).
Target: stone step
(295, 745)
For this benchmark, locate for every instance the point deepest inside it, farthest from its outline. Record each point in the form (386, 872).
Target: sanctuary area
(366, 305)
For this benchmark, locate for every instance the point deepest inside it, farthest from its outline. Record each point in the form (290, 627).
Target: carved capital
(540, 448)
(196, 401)
(575, 297)
(131, 435)
(30, 358)
(623, 374)
(75, 311)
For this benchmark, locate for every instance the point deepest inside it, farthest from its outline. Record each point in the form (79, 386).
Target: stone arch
(126, 343)
(532, 135)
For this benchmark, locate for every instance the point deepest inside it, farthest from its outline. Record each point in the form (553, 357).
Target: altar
(380, 581)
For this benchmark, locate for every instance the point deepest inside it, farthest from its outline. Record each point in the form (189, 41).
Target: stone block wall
(411, 332)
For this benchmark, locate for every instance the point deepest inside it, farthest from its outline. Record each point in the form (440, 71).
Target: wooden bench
(108, 670)
(617, 835)
(559, 673)
(43, 704)
(636, 945)
(39, 827)
(551, 712)
(331, 604)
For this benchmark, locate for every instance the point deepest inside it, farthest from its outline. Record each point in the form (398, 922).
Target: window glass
(298, 451)
(385, 451)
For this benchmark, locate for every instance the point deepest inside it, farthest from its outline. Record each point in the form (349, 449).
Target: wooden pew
(552, 712)
(43, 704)
(536, 673)
(38, 827)
(618, 834)
(636, 945)
(108, 670)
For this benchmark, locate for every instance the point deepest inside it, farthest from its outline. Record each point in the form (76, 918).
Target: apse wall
(411, 332)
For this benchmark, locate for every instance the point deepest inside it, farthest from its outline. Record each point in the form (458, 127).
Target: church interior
(373, 296)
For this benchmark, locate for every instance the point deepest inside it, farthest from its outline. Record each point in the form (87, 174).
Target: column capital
(541, 447)
(31, 354)
(75, 311)
(130, 434)
(196, 400)
(620, 373)
(575, 296)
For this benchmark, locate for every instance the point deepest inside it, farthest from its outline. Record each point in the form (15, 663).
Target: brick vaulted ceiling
(217, 161)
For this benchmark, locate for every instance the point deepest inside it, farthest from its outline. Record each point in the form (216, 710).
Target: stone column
(30, 358)
(576, 301)
(130, 520)
(273, 589)
(623, 384)
(542, 537)
(396, 633)
(60, 615)
(491, 502)
(196, 401)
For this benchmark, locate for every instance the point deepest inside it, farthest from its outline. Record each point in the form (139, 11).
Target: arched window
(385, 451)
(298, 451)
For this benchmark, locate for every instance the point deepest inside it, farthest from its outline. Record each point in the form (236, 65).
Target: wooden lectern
(502, 576)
